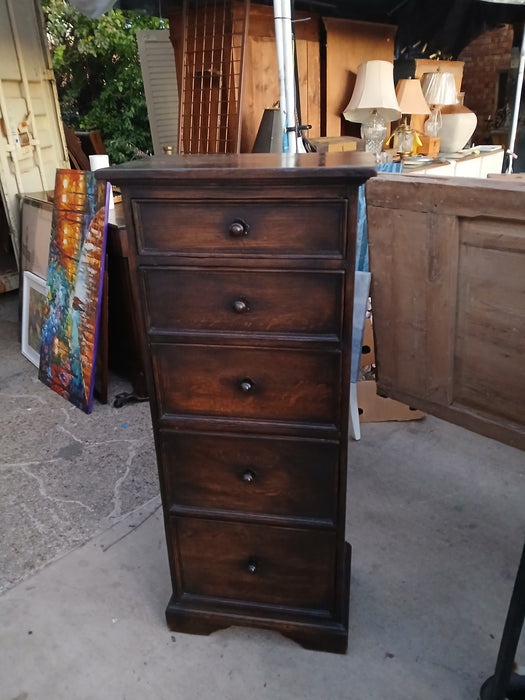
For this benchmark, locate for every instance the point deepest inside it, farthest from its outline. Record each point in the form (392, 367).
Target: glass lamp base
(405, 141)
(374, 133)
(433, 123)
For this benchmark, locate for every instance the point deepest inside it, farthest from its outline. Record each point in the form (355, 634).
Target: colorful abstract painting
(74, 277)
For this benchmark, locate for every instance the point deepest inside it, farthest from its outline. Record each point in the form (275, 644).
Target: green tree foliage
(99, 80)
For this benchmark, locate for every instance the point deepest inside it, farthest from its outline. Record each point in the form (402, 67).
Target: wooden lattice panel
(213, 47)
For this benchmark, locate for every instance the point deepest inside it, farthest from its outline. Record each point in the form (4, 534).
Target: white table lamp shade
(374, 90)
(439, 88)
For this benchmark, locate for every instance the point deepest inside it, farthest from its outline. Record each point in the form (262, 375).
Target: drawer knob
(252, 566)
(248, 476)
(247, 386)
(238, 228)
(240, 306)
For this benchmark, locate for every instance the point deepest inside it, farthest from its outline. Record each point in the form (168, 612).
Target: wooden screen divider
(214, 37)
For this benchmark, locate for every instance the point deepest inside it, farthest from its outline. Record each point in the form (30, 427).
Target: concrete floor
(436, 519)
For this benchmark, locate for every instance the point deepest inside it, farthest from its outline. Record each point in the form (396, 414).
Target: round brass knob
(240, 306)
(247, 385)
(248, 476)
(238, 228)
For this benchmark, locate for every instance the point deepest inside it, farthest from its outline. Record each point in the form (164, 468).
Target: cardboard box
(429, 145)
(330, 144)
(375, 409)
(368, 355)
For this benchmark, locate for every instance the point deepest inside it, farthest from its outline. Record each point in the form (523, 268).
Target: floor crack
(44, 494)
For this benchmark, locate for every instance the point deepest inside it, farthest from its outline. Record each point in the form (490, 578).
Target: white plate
(487, 149)
(418, 160)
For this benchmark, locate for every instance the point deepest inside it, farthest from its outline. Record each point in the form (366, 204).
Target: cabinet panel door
(448, 295)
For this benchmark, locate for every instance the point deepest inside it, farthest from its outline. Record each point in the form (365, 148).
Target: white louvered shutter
(157, 62)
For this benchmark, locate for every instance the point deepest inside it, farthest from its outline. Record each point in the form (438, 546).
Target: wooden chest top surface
(229, 166)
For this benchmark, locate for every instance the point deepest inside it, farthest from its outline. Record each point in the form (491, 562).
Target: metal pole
(497, 687)
(278, 15)
(517, 102)
(289, 75)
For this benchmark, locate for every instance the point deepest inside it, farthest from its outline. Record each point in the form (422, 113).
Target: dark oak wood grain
(242, 270)
(269, 302)
(266, 477)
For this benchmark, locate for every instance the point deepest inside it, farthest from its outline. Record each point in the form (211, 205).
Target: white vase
(458, 125)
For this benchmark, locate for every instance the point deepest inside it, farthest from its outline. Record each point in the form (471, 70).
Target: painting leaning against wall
(75, 274)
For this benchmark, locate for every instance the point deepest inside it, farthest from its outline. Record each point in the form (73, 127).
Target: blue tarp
(362, 274)
(361, 253)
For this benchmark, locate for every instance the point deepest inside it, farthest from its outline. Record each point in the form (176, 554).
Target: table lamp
(411, 101)
(373, 103)
(439, 90)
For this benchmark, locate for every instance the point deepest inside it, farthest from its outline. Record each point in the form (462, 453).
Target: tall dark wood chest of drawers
(242, 274)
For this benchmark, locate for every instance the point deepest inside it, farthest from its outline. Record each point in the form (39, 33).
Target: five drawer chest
(242, 271)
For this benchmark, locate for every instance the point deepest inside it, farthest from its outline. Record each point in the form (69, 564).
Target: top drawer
(305, 229)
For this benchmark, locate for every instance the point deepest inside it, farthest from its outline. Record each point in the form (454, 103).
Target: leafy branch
(98, 75)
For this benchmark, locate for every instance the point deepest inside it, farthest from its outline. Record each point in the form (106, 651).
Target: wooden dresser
(242, 273)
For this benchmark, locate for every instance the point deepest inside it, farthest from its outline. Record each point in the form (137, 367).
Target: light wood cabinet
(448, 286)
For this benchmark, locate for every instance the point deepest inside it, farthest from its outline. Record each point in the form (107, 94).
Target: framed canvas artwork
(74, 276)
(36, 216)
(34, 299)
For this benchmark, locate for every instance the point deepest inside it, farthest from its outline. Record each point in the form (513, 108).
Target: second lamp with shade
(373, 103)
(439, 90)
(411, 101)
(450, 120)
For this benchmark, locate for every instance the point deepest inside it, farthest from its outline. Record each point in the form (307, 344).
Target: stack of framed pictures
(33, 308)
(36, 219)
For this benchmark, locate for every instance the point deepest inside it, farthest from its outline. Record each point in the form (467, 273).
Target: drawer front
(269, 302)
(255, 563)
(257, 475)
(233, 382)
(306, 228)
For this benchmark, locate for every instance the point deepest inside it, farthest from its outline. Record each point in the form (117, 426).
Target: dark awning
(426, 28)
